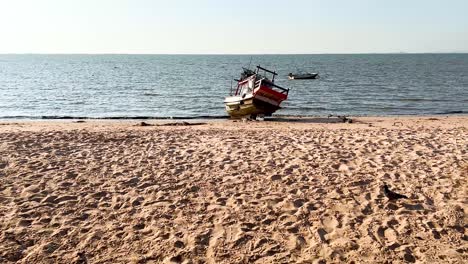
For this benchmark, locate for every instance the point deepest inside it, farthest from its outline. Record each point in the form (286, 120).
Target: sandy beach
(287, 191)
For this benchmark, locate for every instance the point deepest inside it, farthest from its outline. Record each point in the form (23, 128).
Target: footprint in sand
(296, 242)
(330, 223)
(387, 234)
(215, 241)
(367, 209)
(322, 235)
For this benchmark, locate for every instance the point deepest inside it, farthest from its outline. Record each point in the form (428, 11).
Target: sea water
(194, 86)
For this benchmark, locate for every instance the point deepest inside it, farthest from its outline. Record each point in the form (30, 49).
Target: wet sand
(285, 191)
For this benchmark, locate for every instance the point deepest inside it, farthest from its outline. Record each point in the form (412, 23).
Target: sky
(233, 26)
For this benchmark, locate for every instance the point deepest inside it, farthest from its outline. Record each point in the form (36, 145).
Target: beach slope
(292, 191)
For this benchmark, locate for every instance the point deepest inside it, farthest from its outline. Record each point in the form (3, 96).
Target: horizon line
(235, 54)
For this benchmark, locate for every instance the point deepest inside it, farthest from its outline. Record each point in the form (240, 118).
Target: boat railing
(271, 85)
(266, 70)
(281, 89)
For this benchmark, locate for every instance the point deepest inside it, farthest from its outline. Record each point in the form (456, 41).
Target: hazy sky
(237, 26)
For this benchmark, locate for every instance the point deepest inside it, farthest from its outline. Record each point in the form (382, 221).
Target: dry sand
(302, 191)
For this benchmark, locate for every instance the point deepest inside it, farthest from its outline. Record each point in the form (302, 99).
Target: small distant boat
(255, 94)
(302, 76)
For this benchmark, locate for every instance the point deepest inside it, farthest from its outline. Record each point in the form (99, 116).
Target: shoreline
(291, 122)
(223, 117)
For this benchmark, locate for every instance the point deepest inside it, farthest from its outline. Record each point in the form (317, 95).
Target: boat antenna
(250, 62)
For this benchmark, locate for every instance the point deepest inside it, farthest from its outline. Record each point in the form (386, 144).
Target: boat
(303, 76)
(255, 94)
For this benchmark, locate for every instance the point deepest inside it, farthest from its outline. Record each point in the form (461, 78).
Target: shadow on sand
(319, 120)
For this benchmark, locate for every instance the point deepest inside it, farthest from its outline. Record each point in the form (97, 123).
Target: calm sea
(162, 86)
